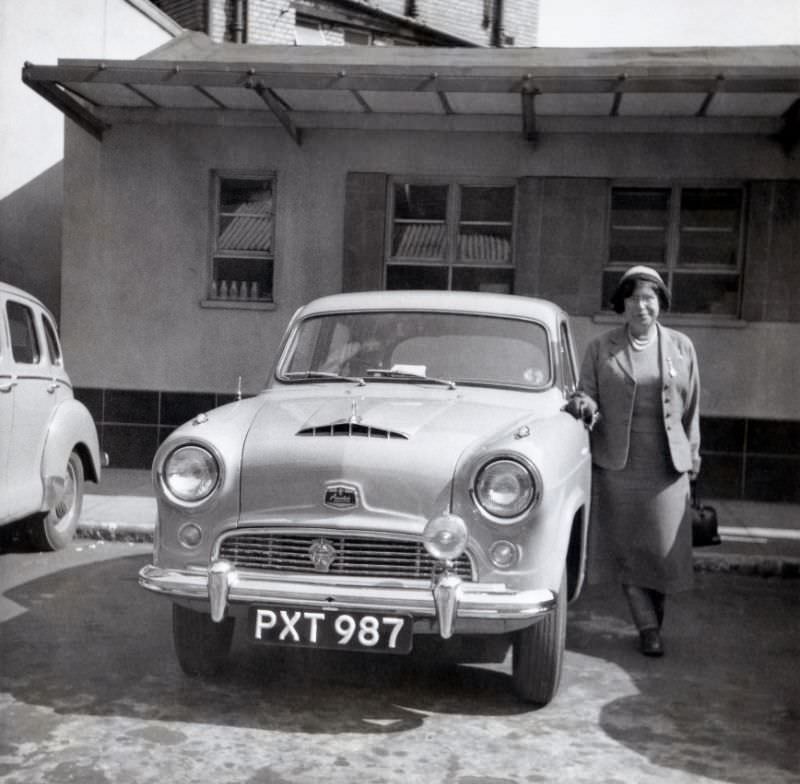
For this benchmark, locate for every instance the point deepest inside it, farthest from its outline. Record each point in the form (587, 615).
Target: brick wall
(270, 22)
(273, 21)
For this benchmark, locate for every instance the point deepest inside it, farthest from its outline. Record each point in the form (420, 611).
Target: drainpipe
(497, 24)
(238, 21)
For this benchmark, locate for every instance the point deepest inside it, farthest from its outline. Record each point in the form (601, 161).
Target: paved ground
(90, 693)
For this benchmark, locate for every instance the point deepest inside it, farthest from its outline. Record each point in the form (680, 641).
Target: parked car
(48, 440)
(407, 471)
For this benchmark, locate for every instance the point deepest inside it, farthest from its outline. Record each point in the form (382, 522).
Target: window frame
(452, 222)
(672, 240)
(32, 331)
(217, 176)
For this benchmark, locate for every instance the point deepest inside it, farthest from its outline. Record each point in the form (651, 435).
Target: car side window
(53, 345)
(24, 341)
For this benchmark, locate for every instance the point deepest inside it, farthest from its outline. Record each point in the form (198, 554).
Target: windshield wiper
(406, 375)
(321, 375)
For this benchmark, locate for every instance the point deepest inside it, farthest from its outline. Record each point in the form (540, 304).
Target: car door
(7, 384)
(34, 398)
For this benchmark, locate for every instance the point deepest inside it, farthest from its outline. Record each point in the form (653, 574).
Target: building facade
(231, 185)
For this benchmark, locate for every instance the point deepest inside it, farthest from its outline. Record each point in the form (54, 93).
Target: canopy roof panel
(733, 90)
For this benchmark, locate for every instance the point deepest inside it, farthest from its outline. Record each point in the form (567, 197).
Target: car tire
(55, 529)
(538, 653)
(201, 645)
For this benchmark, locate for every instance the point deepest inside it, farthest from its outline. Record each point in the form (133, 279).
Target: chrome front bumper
(447, 600)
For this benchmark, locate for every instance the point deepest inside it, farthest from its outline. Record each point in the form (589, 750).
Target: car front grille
(351, 430)
(352, 555)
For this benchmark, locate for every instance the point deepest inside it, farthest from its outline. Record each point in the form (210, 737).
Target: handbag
(704, 521)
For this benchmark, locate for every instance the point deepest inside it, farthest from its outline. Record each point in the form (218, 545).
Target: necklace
(640, 344)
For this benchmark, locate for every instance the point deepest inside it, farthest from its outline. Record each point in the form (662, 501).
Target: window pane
(487, 205)
(484, 244)
(409, 276)
(639, 220)
(419, 229)
(716, 295)
(246, 215)
(242, 278)
(419, 240)
(498, 281)
(420, 202)
(52, 341)
(710, 220)
(24, 342)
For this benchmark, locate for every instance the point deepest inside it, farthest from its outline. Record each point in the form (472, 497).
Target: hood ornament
(322, 554)
(355, 418)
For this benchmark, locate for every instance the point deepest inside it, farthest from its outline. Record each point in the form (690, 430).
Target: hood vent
(351, 430)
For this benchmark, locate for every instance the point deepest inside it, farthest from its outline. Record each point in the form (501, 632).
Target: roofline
(164, 21)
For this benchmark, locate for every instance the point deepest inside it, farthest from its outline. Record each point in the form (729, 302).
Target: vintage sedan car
(48, 440)
(409, 470)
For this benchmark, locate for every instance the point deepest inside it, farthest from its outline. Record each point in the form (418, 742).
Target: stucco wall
(136, 272)
(31, 130)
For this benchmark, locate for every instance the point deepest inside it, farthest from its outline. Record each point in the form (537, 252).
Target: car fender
(71, 429)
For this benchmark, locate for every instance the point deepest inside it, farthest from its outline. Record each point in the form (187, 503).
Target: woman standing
(642, 381)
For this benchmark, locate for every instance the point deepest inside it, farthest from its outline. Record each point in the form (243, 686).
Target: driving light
(505, 488)
(503, 554)
(445, 537)
(190, 473)
(190, 535)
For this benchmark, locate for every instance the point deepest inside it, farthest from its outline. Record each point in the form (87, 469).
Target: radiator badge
(341, 497)
(322, 554)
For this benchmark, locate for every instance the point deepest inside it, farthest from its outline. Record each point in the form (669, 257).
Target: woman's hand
(582, 407)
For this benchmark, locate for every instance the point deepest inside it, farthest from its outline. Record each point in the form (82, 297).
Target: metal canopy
(530, 91)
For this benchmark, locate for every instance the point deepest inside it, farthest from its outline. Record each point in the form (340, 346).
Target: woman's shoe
(650, 642)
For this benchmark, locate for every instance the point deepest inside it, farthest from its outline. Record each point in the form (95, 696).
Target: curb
(706, 562)
(749, 565)
(116, 532)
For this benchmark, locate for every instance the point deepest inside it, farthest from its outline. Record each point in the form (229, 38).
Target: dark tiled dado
(754, 459)
(132, 423)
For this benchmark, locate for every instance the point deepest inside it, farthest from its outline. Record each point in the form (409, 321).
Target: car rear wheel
(56, 528)
(538, 653)
(200, 644)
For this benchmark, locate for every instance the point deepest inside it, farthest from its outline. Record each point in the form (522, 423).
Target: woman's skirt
(641, 531)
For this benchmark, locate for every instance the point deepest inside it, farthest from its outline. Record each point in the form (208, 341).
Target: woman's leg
(647, 619)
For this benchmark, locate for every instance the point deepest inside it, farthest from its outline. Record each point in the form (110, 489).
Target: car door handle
(9, 386)
(52, 386)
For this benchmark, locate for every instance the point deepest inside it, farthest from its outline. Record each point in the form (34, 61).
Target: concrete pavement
(757, 538)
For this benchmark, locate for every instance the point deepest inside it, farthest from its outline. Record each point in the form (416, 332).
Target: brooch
(672, 372)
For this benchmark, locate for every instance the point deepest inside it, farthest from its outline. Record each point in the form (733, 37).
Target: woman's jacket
(607, 377)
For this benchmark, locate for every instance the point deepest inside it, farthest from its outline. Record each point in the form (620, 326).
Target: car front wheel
(200, 644)
(538, 653)
(54, 530)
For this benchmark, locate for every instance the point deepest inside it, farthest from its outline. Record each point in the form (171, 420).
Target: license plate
(314, 628)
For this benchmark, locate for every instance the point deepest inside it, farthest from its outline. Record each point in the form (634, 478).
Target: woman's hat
(627, 283)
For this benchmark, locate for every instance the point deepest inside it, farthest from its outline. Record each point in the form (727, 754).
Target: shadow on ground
(725, 697)
(93, 642)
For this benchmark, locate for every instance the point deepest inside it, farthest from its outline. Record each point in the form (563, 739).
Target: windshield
(398, 345)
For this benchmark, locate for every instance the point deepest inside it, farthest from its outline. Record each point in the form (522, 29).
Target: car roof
(481, 303)
(7, 288)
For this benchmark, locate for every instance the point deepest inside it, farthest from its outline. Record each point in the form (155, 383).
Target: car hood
(397, 451)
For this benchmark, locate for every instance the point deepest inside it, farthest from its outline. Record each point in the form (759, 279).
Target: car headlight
(190, 474)
(505, 488)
